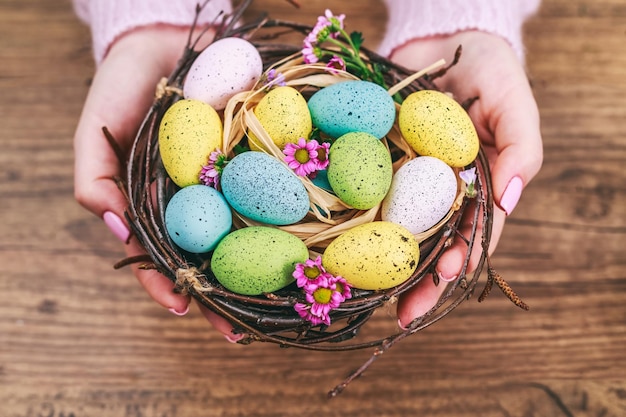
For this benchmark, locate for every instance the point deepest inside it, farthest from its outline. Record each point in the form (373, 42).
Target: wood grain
(80, 339)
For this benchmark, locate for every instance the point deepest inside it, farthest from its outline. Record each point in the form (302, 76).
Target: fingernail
(116, 225)
(401, 326)
(446, 279)
(234, 338)
(179, 313)
(511, 195)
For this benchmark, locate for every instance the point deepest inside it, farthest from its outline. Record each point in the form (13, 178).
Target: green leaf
(357, 40)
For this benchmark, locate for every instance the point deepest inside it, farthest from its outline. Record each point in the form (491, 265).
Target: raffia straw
(408, 80)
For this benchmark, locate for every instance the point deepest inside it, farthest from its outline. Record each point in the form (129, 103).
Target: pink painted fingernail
(179, 313)
(446, 279)
(234, 338)
(116, 225)
(401, 326)
(511, 195)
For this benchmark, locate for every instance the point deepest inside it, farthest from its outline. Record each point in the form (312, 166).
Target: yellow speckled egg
(434, 124)
(189, 131)
(285, 116)
(373, 256)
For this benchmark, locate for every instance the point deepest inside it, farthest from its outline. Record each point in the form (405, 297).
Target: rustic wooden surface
(80, 339)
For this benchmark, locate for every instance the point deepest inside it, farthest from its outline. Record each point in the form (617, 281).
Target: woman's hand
(122, 91)
(507, 122)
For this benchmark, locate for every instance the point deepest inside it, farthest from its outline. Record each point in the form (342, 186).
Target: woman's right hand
(120, 96)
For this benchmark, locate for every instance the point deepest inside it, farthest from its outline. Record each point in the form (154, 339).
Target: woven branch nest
(271, 317)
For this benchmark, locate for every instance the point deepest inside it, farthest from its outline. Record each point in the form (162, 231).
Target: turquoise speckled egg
(261, 188)
(353, 106)
(197, 218)
(359, 170)
(258, 259)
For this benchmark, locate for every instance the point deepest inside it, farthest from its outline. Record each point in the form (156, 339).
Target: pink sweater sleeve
(109, 19)
(411, 19)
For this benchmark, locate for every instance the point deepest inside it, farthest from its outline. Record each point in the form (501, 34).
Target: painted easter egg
(373, 256)
(197, 218)
(224, 68)
(422, 192)
(434, 124)
(360, 170)
(263, 189)
(189, 131)
(257, 259)
(284, 115)
(353, 106)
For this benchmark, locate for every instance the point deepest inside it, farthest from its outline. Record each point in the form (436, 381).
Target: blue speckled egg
(360, 170)
(352, 106)
(261, 188)
(197, 218)
(257, 259)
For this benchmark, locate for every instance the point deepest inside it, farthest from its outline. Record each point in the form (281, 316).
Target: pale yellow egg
(434, 124)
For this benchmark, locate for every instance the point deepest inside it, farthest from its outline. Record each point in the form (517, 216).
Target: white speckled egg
(224, 68)
(359, 170)
(422, 192)
(258, 259)
(197, 218)
(434, 124)
(373, 256)
(353, 106)
(261, 188)
(284, 115)
(189, 131)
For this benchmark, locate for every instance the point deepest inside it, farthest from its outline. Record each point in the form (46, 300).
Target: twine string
(162, 89)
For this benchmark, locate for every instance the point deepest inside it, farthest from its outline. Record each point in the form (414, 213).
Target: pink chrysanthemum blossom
(335, 64)
(328, 25)
(469, 178)
(308, 272)
(322, 297)
(210, 173)
(310, 52)
(301, 157)
(322, 156)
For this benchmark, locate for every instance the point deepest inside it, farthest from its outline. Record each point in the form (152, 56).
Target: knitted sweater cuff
(109, 19)
(410, 19)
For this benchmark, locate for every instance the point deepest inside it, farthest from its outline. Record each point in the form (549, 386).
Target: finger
(508, 122)
(419, 300)
(450, 264)
(221, 324)
(158, 286)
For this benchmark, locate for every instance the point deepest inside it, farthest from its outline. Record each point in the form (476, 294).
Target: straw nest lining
(271, 317)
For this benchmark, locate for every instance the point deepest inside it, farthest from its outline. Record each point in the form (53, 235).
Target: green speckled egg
(434, 124)
(373, 256)
(257, 259)
(189, 131)
(285, 116)
(359, 170)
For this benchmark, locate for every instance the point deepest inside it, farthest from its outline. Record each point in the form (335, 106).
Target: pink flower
(336, 63)
(322, 296)
(210, 173)
(308, 272)
(301, 157)
(310, 52)
(322, 155)
(327, 25)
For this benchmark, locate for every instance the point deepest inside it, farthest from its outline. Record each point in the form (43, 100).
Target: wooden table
(80, 339)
